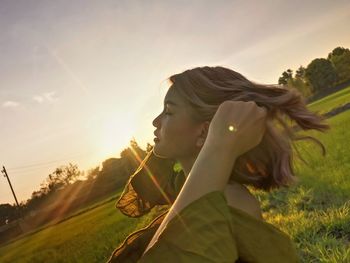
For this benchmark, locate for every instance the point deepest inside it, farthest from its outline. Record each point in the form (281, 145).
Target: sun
(114, 134)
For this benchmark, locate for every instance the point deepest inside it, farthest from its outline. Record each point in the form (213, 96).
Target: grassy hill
(330, 102)
(89, 236)
(315, 212)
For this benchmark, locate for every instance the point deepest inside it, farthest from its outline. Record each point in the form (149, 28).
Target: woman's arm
(215, 161)
(210, 172)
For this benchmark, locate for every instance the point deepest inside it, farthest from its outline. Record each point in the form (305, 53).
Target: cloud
(39, 99)
(48, 96)
(10, 104)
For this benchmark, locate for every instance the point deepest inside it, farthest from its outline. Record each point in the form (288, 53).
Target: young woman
(222, 129)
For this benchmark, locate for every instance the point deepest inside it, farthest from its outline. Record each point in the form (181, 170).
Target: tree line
(320, 74)
(72, 188)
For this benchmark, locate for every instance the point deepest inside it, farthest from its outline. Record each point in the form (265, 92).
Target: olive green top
(206, 230)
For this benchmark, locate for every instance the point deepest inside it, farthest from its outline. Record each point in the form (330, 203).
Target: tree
(36, 199)
(286, 75)
(321, 74)
(300, 72)
(133, 153)
(71, 173)
(93, 173)
(338, 51)
(53, 182)
(301, 85)
(132, 157)
(341, 64)
(62, 176)
(7, 213)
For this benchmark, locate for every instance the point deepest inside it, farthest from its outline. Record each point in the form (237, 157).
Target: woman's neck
(186, 164)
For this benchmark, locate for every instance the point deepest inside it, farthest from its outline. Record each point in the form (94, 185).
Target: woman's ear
(203, 133)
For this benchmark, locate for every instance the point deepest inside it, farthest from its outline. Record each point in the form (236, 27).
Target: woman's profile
(227, 133)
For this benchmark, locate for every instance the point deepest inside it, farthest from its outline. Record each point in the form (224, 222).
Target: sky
(80, 79)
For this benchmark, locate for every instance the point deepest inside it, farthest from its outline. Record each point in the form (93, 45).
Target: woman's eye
(166, 112)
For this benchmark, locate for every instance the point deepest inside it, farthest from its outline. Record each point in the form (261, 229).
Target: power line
(43, 164)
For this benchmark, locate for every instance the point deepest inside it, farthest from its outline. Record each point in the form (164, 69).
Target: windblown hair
(269, 165)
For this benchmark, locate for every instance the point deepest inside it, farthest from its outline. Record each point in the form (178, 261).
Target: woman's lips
(156, 139)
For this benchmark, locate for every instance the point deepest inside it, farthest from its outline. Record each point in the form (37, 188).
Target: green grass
(87, 237)
(315, 212)
(330, 102)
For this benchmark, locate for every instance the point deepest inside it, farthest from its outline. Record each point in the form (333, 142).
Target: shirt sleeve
(150, 185)
(261, 242)
(201, 232)
(135, 244)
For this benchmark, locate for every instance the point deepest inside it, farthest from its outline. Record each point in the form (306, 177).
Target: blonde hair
(270, 164)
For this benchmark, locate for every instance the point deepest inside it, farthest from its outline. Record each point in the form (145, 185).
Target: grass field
(315, 212)
(87, 237)
(330, 102)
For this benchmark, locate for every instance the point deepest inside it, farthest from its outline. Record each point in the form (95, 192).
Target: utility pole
(8, 179)
(19, 212)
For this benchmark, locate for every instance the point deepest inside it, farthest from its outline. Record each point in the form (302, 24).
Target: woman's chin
(158, 152)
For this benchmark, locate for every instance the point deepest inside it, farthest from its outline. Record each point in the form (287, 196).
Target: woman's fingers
(248, 119)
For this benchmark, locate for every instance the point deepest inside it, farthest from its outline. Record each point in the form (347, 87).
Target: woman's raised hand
(237, 126)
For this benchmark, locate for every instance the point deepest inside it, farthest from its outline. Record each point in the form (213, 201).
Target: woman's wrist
(212, 167)
(222, 148)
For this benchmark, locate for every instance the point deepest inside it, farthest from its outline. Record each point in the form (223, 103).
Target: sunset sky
(79, 79)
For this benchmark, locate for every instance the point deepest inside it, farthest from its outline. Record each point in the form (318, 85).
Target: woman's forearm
(210, 172)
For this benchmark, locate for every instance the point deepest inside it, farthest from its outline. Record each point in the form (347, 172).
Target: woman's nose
(155, 122)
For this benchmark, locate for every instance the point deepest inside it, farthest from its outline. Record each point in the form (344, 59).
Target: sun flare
(114, 134)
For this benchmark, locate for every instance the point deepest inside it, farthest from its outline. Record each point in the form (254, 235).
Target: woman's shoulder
(256, 238)
(247, 215)
(239, 197)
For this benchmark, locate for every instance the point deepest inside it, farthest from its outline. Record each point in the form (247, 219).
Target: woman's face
(177, 132)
